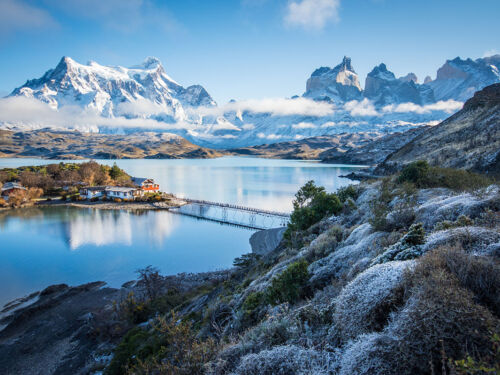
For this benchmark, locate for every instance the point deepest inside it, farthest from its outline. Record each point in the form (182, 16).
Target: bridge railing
(237, 207)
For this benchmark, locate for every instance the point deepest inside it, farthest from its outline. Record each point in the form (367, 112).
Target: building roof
(94, 188)
(140, 180)
(12, 185)
(120, 189)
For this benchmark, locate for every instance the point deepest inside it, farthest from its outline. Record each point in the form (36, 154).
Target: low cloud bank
(272, 106)
(366, 108)
(33, 114)
(36, 114)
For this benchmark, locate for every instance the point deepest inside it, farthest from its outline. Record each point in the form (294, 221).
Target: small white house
(121, 192)
(92, 192)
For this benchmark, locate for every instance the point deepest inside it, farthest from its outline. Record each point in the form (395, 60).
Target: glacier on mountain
(100, 98)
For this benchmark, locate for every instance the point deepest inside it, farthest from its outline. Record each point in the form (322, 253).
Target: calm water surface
(39, 247)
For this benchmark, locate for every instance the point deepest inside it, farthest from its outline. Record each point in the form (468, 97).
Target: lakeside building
(10, 187)
(90, 192)
(110, 192)
(122, 192)
(146, 184)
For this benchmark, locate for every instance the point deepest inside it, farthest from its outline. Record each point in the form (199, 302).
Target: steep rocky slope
(469, 139)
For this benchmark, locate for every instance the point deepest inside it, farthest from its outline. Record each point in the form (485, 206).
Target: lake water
(44, 246)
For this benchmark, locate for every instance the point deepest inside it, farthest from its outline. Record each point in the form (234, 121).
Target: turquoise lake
(44, 246)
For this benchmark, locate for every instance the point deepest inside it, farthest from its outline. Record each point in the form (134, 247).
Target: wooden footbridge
(225, 213)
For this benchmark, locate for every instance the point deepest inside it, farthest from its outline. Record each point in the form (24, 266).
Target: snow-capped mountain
(338, 85)
(459, 79)
(116, 99)
(144, 90)
(383, 88)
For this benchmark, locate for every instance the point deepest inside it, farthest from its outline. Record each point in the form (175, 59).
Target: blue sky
(244, 49)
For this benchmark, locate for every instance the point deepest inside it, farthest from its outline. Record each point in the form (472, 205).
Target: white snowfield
(94, 97)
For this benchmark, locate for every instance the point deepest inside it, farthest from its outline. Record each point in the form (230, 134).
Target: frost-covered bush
(442, 315)
(288, 360)
(365, 303)
(439, 315)
(325, 243)
(478, 274)
(361, 243)
(472, 239)
(442, 204)
(370, 354)
(489, 218)
(462, 221)
(274, 331)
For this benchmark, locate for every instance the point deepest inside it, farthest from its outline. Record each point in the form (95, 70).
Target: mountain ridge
(333, 103)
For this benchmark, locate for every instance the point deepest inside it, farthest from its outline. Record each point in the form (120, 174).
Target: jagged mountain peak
(339, 84)
(381, 71)
(108, 89)
(346, 64)
(149, 63)
(383, 88)
(458, 78)
(410, 77)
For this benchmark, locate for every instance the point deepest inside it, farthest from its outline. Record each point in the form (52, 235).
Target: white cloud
(269, 136)
(17, 15)
(273, 106)
(449, 106)
(248, 127)
(141, 107)
(491, 52)
(364, 107)
(312, 14)
(34, 114)
(304, 125)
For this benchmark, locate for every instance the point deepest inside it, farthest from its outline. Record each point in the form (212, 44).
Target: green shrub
(246, 260)
(462, 221)
(177, 350)
(424, 176)
(488, 364)
(415, 235)
(170, 347)
(312, 203)
(251, 308)
(347, 192)
(416, 173)
(290, 285)
(380, 207)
